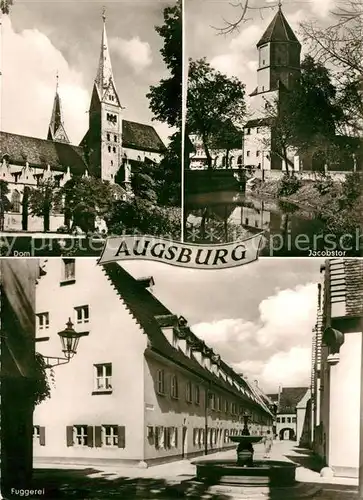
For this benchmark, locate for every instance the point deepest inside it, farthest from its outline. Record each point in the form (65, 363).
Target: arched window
(224, 161)
(239, 160)
(15, 201)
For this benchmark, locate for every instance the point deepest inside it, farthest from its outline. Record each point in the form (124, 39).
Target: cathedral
(110, 145)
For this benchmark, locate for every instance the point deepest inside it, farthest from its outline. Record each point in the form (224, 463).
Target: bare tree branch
(245, 7)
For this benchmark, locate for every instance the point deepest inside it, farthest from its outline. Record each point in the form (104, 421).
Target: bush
(324, 184)
(63, 229)
(288, 185)
(352, 187)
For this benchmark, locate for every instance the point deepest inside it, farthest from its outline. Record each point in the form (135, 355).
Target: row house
(336, 368)
(143, 388)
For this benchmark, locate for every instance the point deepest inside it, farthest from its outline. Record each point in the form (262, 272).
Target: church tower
(56, 130)
(278, 70)
(103, 140)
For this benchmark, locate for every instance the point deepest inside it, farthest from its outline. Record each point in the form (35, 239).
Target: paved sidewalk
(112, 481)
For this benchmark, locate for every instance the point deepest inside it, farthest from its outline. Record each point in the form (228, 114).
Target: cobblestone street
(175, 480)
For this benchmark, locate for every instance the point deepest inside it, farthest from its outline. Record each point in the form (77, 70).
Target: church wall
(139, 155)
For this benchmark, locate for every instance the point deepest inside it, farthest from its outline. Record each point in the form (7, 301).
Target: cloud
(321, 8)
(30, 63)
(276, 347)
(239, 59)
(135, 52)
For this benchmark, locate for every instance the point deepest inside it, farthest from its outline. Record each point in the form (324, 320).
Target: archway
(287, 434)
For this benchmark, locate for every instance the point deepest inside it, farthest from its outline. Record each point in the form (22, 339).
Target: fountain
(267, 478)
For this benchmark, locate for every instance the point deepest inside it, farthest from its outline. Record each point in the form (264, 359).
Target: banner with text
(181, 254)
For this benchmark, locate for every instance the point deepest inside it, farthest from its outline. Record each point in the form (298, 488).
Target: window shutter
(69, 431)
(165, 437)
(98, 436)
(90, 440)
(157, 437)
(176, 437)
(42, 436)
(121, 436)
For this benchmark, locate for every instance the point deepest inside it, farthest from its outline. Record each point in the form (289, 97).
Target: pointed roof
(56, 130)
(104, 71)
(278, 30)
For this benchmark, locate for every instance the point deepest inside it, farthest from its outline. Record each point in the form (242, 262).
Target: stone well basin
(261, 473)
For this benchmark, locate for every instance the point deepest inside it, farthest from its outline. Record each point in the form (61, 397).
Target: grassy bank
(339, 204)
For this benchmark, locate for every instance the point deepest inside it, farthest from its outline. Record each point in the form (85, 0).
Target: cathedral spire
(104, 72)
(56, 130)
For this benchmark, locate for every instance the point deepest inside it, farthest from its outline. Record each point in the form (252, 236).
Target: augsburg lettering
(194, 256)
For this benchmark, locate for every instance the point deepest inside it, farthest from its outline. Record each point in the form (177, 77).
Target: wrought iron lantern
(70, 340)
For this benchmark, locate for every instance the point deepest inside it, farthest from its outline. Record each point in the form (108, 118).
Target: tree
(139, 215)
(305, 117)
(166, 97)
(86, 198)
(213, 101)
(5, 6)
(245, 11)
(341, 46)
(166, 104)
(41, 200)
(228, 137)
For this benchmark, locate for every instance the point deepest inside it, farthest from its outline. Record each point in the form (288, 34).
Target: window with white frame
(212, 401)
(43, 320)
(188, 392)
(39, 435)
(103, 373)
(110, 435)
(82, 314)
(80, 435)
(69, 269)
(160, 382)
(195, 436)
(196, 395)
(218, 405)
(159, 437)
(201, 437)
(173, 437)
(174, 387)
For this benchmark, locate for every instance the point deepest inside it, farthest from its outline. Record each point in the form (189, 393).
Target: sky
(258, 317)
(41, 38)
(236, 54)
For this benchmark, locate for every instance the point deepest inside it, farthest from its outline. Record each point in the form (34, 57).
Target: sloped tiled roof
(41, 153)
(148, 312)
(278, 30)
(143, 137)
(290, 397)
